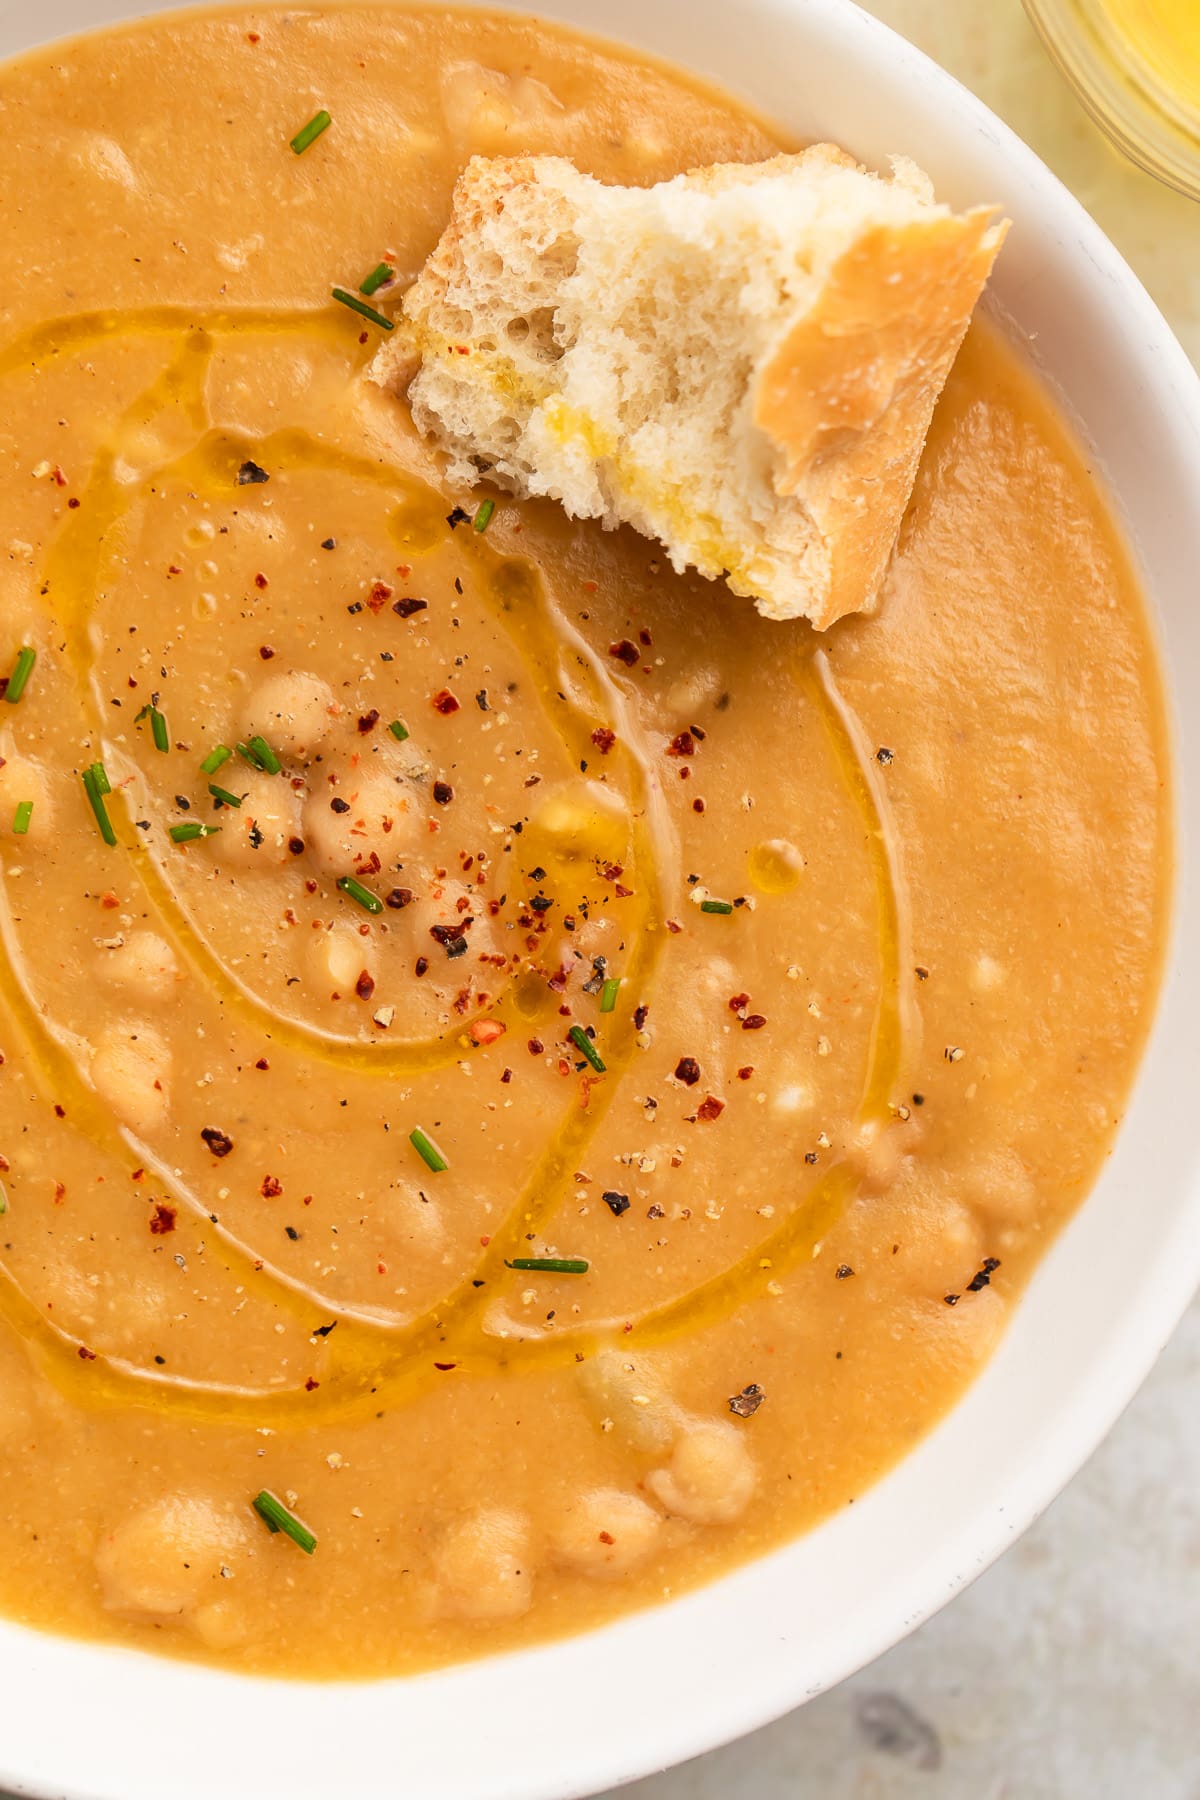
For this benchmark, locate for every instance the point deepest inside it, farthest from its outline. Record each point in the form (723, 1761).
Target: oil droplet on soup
(775, 867)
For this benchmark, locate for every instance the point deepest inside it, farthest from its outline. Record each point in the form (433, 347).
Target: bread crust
(843, 367)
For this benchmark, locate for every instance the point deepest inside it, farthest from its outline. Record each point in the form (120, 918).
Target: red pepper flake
(421, 966)
(369, 720)
(506, 1075)
(266, 652)
(296, 846)
(260, 580)
(218, 1142)
(262, 1063)
(644, 636)
(697, 806)
(85, 1355)
(684, 744)
(744, 1074)
(72, 502)
(536, 1046)
(399, 898)
(271, 1187)
(445, 702)
(486, 1031)
(754, 1022)
(606, 1537)
(407, 607)
(674, 927)
(604, 739)
(443, 793)
(162, 1219)
(253, 37)
(842, 1272)
(710, 1108)
(364, 987)
(60, 1112)
(311, 1385)
(443, 1368)
(687, 1070)
(379, 596)
(625, 652)
(640, 1015)
(738, 1004)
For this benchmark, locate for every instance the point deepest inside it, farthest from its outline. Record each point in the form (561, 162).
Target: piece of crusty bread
(741, 362)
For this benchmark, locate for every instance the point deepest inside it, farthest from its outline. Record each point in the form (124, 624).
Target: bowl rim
(727, 1658)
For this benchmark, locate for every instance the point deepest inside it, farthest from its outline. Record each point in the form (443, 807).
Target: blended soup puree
(548, 1082)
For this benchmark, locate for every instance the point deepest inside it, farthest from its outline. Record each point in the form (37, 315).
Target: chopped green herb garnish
(716, 906)
(267, 758)
(158, 725)
(259, 754)
(355, 890)
(483, 515)
(585, 1047)
(399, 730)
(215, 758)
(428, 1151)
(553, 1265)
(223, 795)
(308, 134)
(95, 786)
(609, 992)
(379, 274)
(276, 1517)
(360, 306)
(190, 830)
(20, 675)
(22, 817)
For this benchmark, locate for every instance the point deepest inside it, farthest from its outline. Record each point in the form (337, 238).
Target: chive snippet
(609, 992)
(399, 730)
(354, 890)
(428, 1151)
(379, 274)
(95, 786)
(716, 906)
(277, 1517)
(20, 676)
(215, 758)
(190, 830)
(553, 1265)
(22, 816)
(360, 306)
(158, 725)
(259, 754)
(586, 1048)
(267, 758)
(223, 795)
(308, 134)
(483, 515)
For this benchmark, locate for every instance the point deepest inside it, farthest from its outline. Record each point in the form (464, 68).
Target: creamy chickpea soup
(524, 1084)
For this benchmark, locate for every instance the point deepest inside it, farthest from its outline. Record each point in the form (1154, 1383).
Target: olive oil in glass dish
(1135, 64)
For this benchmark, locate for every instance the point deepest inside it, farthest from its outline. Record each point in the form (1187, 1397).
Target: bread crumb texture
(741, 362)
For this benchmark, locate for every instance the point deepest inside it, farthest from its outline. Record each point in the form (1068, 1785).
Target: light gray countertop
(1070, 1670)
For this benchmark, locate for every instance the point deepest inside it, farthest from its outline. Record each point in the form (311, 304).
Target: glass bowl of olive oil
(1135, 64)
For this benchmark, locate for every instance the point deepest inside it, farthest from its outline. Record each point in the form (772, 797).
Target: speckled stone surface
(1071, 1671)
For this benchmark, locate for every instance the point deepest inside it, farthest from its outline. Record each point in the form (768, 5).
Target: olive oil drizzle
(76, 571)
(374, 1358)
